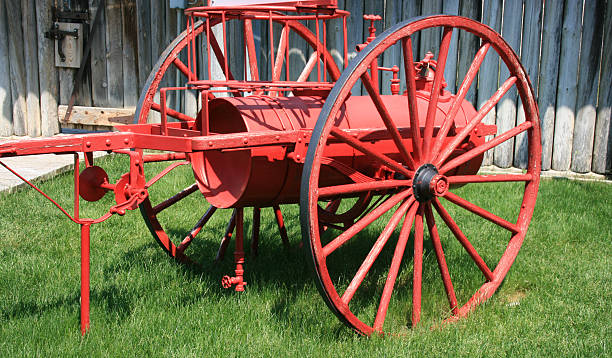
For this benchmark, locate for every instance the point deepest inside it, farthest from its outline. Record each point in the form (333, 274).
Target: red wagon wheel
(175, 242)
(369, 294)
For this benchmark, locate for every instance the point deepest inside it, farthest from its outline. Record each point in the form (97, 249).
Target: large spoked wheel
(176, 240)
(365, 273)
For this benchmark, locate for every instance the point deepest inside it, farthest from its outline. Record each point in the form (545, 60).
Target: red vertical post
(76, 186)
(85, 277)
(239, 252)
(164, 114)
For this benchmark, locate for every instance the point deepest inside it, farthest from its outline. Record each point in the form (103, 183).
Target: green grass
(555, 300)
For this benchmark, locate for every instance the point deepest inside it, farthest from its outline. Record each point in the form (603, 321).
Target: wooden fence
(565, 46)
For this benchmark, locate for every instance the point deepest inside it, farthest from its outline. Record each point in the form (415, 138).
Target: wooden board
(488, 75)
(393, 55)
(130, 50)
(530, 58)
(468, 46)
(355, 34)
(97, 116)
(588, 84)
(602, 151)
(28, 8)
(144, 42)
(430, 38)
(410, 10)
(48, 79)
(6, 111)
(17, 68)
(114, 53)
(99, 85)
(451, 7)
(549, 70)
(567, 86)
(506, 109)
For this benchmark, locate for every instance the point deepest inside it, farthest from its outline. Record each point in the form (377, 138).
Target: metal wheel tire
(170, 60)
(369, 295)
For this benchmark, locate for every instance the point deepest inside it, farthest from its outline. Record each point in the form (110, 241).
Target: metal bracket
(56, 34)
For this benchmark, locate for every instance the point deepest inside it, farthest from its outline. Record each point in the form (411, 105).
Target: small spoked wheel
(433, 209)
(159, 210)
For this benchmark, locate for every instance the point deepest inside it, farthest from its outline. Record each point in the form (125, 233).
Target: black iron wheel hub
(422, 181)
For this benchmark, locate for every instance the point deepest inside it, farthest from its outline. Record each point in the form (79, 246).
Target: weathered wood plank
(17, 67)
(451, 7)
(169, 35)
(335, 42)
(114, 53)
(144, 42)
(375, 7)
(236, 48)
(506, 109)
(488, 75)
(468, 46)
(530, 57)
(28, 8)
(6, 108)
(391, 57)
(588, 84)
(410, 10)
(83, 97)
(549, 70)
(157, 29)
(129, 50)
(430, 38)
(99, 80)
(355, 34)
(566, 89)
(97, 116)
(602, 151)
(48, 79)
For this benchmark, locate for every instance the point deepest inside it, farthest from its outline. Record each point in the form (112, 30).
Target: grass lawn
(555, 300)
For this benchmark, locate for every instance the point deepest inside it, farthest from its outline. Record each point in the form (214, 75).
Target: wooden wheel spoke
(398, 254)
(180, 65)
(364, 222)
(497, 96)
(342, 136)
(197, 228)
(220, 57)
(467, 179)
(472, 153)
(175, 198)
(375, 251)
(172, 113)
(457, 102)
(387, 120)
(227, 237)
(455, 199)
(417, 271)
(255, 233)
(281, 225)
(463, 240)
(411, 89)
(280, 54)
(307, 70)
(332, 191)
(432, 108)
(435, 239)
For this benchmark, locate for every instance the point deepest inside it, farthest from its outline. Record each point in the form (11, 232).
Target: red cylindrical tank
(263, 176)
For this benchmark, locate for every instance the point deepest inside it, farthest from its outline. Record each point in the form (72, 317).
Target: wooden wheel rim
(151, 87)
(310, 176)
